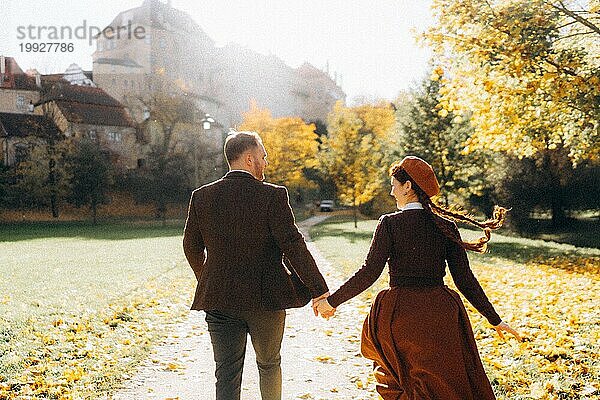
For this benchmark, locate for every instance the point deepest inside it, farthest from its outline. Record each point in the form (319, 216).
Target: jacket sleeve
(372, 268)
(193, 243)
(291, 242)
(466, 282)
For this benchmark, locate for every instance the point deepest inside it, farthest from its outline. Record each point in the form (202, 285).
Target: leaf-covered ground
(78, 310)
(79, 313)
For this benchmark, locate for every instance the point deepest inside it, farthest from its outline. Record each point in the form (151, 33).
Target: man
(246, 226)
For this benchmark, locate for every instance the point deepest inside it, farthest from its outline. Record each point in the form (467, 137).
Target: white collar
(415, 205)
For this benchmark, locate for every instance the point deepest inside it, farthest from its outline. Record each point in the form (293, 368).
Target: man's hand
(325, 309)
(316, 300)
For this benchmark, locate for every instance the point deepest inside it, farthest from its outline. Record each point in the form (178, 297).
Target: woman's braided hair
(436, 211)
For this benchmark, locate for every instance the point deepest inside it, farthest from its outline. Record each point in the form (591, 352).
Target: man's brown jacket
(237, 231)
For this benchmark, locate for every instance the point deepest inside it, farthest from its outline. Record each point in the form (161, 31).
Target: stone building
(87, 111)
(20, 133)
(169, 47)
(18, 91)
(224, 80)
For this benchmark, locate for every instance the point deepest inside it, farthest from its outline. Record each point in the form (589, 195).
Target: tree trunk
(52, 182)
(555, 162)
(54, 205)
(95, 212)
(161, 212)
(558, 214)
(355, 215)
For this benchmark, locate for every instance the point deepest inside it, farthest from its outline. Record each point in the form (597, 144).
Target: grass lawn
(583, 230)
(81, 304)
(548, 291)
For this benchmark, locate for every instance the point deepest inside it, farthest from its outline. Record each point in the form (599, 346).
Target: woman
(418, 333)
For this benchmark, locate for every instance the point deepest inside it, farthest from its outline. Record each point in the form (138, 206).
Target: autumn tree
(354, 151)
(428, 131)
(317, 173)
(523, 72)
(91, 176)
(44, 179)
(290, 142)
(5, 184)
(167, 177)
(162, 181)
(527, 75)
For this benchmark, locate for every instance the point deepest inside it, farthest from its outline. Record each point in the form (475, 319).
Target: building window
(100, 46)
(114, 136)
(20, 101)
(141, 162)
(125, 83)
(21, 152)
(92, 134)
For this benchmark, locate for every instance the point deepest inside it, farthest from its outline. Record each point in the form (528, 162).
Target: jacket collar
(239, 174)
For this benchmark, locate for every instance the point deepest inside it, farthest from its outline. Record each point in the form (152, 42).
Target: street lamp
(207, 124)
(207, 121)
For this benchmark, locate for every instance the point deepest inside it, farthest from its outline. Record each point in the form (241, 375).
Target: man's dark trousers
(228, 332)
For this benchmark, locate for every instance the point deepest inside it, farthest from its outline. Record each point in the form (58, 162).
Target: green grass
(583, 231)
(118, 230)
(78, 295)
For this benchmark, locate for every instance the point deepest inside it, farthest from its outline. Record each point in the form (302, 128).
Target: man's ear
(408, 185)
(248, 159)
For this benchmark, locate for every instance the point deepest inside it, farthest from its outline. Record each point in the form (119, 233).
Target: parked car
(326, 205)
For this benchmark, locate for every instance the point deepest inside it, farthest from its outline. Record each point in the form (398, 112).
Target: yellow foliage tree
(528, 71)
(291, 145)
(355, 150)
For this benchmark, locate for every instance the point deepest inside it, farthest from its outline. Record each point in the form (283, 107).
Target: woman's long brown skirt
(422, 345)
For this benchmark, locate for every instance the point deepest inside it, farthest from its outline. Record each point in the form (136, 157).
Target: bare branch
(560, 67)
(574, 34)
(567, 24)
(573, 14)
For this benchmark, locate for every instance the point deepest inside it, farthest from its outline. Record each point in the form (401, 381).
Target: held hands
(325, 309)
(316, 301)
(320, 305)
(503, 326)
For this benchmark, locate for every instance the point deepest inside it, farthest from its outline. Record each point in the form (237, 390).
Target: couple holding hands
(417, 333)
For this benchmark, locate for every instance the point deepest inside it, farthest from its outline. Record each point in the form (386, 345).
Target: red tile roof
(86, 105)
(22, 125)
(95, 114)
(15, 78)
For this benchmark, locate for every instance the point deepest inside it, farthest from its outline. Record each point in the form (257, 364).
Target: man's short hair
(237, 143)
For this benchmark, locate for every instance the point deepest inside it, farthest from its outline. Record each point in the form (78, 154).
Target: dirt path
(321, 358)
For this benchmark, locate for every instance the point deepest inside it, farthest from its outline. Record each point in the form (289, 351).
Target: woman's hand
(325, 309)
(316, 300)
(504, 327)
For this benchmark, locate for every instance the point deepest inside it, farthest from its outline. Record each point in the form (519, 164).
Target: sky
(370, 45)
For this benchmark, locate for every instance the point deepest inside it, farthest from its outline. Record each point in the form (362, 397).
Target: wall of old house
(9, 100)
(10, 144)
(120, 140)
